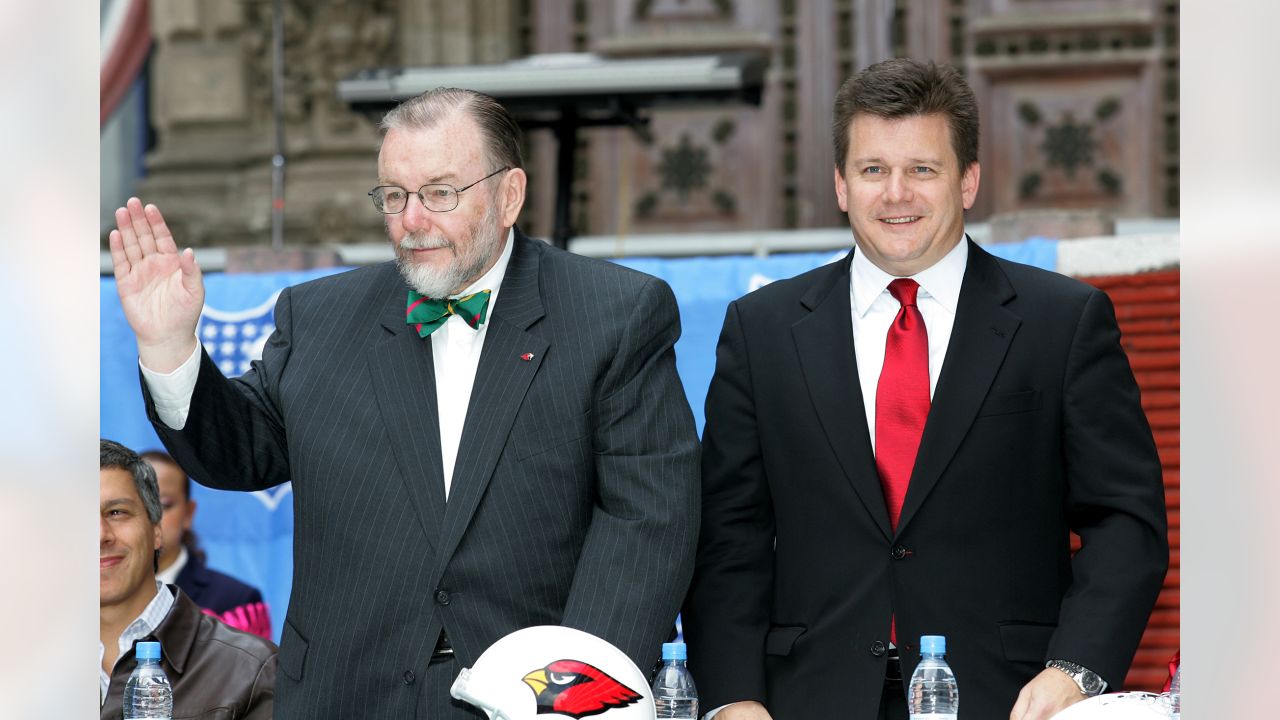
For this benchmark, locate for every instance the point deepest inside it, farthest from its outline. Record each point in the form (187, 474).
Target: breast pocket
(1010, 403)
(548, 434)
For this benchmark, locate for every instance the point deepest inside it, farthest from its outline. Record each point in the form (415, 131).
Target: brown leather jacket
(217, 672)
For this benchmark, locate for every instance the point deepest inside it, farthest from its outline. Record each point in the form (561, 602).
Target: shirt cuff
(713, 713)
(171, 392)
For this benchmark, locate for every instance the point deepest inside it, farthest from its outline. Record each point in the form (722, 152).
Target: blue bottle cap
(933, 645)
(149, 650)
(674, 651)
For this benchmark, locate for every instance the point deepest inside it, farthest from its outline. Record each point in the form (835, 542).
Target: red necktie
(902, 401)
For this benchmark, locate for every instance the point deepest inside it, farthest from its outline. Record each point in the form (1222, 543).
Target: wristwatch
(1089, 682)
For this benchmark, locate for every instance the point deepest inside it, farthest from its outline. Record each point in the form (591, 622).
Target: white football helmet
(1119, 706)
(559, 671)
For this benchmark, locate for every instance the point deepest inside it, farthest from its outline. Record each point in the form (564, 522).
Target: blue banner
(250, 535)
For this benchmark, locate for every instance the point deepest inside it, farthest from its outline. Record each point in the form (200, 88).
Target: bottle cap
(149, 650)
(675, 651)
(933, 645)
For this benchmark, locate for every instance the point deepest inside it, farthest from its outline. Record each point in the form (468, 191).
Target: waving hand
(161, 289)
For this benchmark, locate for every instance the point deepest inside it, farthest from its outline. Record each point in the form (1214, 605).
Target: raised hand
(161, 289)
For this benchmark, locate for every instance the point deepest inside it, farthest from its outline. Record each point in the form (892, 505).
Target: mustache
(423, 241)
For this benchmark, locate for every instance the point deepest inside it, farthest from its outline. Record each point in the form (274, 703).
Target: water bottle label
(934, 716)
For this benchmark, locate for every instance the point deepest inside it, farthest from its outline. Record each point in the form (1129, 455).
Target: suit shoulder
(593, 272)
(232, 588)
(1029, 280)
(788, 291)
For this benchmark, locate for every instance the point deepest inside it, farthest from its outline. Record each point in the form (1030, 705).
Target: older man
(485, 435)
(211, 666)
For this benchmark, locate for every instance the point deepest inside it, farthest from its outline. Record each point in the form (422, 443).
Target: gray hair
(499, 130)
(114, 456)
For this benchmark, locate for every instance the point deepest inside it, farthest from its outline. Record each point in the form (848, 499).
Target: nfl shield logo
(234, 339)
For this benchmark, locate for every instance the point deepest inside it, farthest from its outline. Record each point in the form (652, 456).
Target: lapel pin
(526, 357)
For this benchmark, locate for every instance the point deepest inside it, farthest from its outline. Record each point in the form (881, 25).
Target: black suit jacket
(574, 498)
(1035, 431)
(213, 590)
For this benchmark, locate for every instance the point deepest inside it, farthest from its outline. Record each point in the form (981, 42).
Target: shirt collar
(169, 576)
(941, 281)
(144, 625)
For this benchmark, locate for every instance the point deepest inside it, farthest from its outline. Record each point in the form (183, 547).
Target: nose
(897, 189)
(105, 536)
(416, 216)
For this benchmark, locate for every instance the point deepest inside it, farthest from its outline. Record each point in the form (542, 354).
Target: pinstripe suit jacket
(575, 497)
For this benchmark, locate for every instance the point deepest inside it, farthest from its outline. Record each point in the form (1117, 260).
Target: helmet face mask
(557, 671)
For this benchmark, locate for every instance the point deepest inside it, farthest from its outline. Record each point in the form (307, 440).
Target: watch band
(1089, 682)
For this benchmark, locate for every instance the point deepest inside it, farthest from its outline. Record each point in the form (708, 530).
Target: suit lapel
(980, 337)
(502, 379)
(404, 383)
(824, 341)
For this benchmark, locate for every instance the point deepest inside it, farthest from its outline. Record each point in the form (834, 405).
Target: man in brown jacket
(211, 666)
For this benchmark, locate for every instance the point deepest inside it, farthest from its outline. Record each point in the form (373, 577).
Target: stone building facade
(1078, 98)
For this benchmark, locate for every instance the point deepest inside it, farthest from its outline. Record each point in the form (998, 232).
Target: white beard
(485, 243)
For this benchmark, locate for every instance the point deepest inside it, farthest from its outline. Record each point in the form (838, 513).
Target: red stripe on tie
(414, 305)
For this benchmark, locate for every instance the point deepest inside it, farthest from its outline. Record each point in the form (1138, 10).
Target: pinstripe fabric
(575, 496)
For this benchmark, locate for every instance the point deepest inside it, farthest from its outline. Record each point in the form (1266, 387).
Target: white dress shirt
(874, 309)
(169, 575)
(455, 349)
(152, 615)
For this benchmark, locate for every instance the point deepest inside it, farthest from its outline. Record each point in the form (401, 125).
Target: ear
(511, 195)
(969, 184)
(842, 190)
(157, 539)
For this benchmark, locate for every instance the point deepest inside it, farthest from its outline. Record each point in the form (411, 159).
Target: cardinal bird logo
(578, 690)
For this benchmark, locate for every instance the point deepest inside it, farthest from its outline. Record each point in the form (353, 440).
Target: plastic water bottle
(147, 694)
(675, 697)
(933, 693)
(1175, 695)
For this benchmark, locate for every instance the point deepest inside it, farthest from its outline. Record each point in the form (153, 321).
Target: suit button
(877, 649)
(899, 552)
(442, 597)
(409, 677)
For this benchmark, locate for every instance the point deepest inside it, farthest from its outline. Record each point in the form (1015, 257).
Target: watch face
(1092, 684)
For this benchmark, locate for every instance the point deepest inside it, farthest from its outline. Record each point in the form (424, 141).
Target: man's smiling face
(904, 191)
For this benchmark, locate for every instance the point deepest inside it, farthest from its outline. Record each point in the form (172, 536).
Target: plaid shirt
(146, 623)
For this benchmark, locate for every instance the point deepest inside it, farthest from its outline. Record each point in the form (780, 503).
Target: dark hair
(113, 455)
(500, 132)
(189, 537)
(901, 88)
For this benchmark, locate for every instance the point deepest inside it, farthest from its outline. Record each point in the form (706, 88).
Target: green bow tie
(426, 314)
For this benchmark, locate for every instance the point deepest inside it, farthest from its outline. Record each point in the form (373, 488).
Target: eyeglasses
(392, 199)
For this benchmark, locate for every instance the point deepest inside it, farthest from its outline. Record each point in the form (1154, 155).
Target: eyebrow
(120, 502)
(433, 180)
(912, 161)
